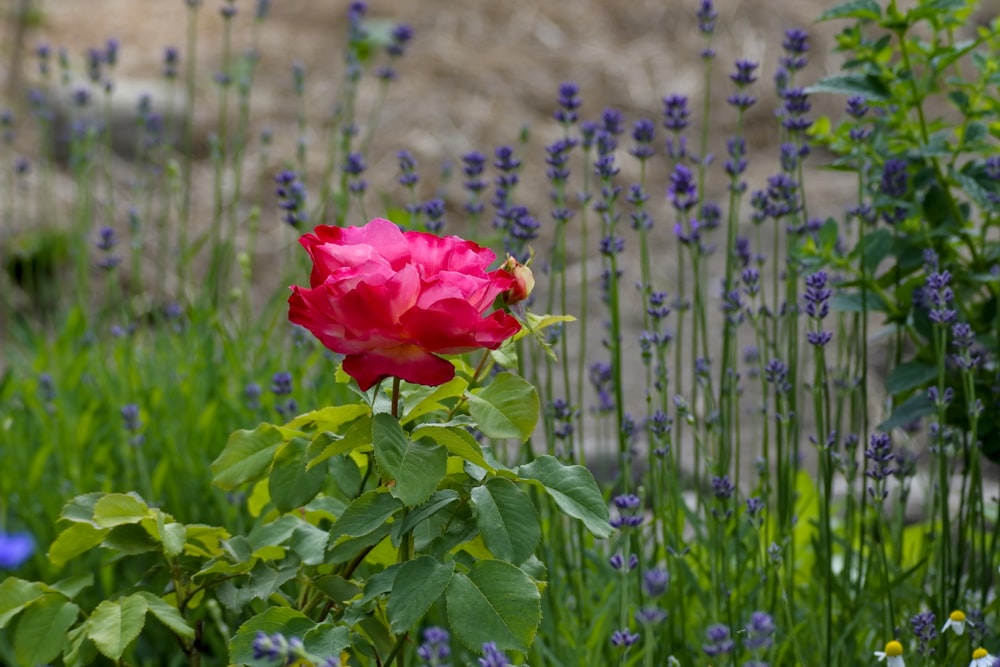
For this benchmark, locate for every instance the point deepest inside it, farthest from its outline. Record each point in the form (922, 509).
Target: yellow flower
(956, 621)
(981, 658)
(892, 655)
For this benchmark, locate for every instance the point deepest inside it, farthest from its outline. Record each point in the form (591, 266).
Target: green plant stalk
(821, 408)
(579, 399)
(187, 149)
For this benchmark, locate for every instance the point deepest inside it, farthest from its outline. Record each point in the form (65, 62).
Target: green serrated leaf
(329, 418)
(288, 622)
(115, 624)
(868, 10)
(70, 586)
(458, 441)
(416, 467)
(117, 509)
(866, 85)
(495, 602)
(506, 408)
(917, 406)
(909, 375)
(75, 540)
(425, 400)
(168, 614)
(41, 630)
(507, 520)
(15, 596)
(370, 511)
(247, 456)
(309, 542)
(325, 445)
(290, 484)
(327, 640)
(418, 585)
(574, 490)
(81, 508)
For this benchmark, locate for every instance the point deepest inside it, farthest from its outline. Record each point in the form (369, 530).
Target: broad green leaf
(574, 490)
(276, 619)
(309, 542)
(117, 509)
(130, 539)
(70, 586)
(327, 640)
(327, 445)
(81, 508)
(79, 650)
(16, 595)
(909, 375)
(915, 407)
(75, 540)
(507, 408)
(247, 456)
(115, 624)
(855, 9)
(203, 540)
(416, 467)
(418, 585)
(290, 484)
(428, 399)
(507, 520)
(495, 602)
(330, 418)
(173, 536)
(167, 614)
(369, 512)
(41, 631)
(458, 441)
(438, 501)
(866, 85)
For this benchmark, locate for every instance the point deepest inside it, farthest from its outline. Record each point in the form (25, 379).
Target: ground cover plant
(392, 463)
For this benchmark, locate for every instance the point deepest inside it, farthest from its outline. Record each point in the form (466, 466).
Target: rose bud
(524, 281)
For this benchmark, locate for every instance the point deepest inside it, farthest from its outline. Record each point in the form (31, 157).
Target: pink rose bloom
(391, 301)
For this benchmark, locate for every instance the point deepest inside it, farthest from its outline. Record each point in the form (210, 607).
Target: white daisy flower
(980, 658)
(956, 621)
(893, 655)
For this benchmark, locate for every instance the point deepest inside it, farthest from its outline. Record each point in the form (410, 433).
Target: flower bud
(524, 281)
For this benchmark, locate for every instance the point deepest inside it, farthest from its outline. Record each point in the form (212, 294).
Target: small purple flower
(796, 45)
(643, 133)
(623, 638)
(617, 561)
(683, 190)
(569, 102)
(857, 106)
(706, 17)
(719, 641)
(435, 649)
(649, 616)
(759, 631)
(291, 193)
(655, 582)
(675, 112)
(722, 487)
(15, 549)
(744, 74)
(493, 657)
(879, 457)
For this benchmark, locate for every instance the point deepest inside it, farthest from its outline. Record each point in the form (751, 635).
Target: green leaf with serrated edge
(116, 509)
(41, 630)
(81, 508)
(325, 446)
(868, 86)
(507, 408)
(507, 520)
(309, 542)
(130, 539)
(438, 501)
(173, 536)
(274, 532)
(368, 512)
(418, 585)
(329, 418)
(380, 583)
(75, 540)
(276, 619)
(917, 406)
(909, 375)
(327, 640)
(167, 614)
(247, 456)
(349, 548)
(79, 650)
(458, 441)
(290, 484)
(574, 490)
(855, 9)
(203, 540)
(115, 624)
(416, 467)
(70, 586)
(336, 588)
(495, 602)
(16, 595)
(423, 400)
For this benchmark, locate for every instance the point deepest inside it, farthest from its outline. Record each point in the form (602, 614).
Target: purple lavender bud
(505, 159)
(107, 239)
(894, 178)
(643, 132)
(655, 582)
(624, 638)
(130, 417)
(817, 295)
(992, 167)
(675, 112)
(706, 17)
(759, 631)
(493, 657)
(613, 121)
(722, 487)
(925, 628)
(650, 616)
(15, 549)
(857, 106)
(281, 383)
(569, 102)
(744, 74)
(401, 36)
(878, 456)
(683, 190)
(719, 641)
